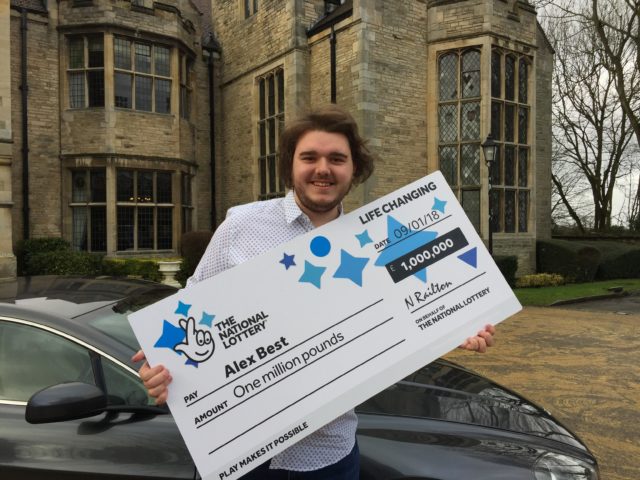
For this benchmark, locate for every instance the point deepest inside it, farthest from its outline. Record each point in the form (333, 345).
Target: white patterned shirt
(250, 230)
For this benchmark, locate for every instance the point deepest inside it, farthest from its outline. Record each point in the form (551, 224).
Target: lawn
(547, 295)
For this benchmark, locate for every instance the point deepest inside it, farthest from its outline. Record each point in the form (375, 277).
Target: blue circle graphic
(320, 246)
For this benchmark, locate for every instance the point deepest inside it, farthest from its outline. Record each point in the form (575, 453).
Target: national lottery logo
(194, 341)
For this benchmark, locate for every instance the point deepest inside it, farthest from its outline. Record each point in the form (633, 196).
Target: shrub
(63, 262)
(540, 280)
(623, 264)
(193, 246)
(26, 248)
(508, 266)
(576, 261)
(131, 267)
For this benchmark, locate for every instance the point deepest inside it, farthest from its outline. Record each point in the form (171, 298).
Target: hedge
(131, 267)
(192, 248)
(63, 262)
(576, 261)
(508, 266)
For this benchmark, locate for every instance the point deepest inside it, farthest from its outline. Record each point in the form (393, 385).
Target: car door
(109, 445)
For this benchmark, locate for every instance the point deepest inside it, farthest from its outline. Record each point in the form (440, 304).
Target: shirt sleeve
(216, 257)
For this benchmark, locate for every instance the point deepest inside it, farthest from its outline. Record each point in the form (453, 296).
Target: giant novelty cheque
(267, 352)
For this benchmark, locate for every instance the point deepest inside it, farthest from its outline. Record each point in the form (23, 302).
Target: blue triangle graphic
(470, 257)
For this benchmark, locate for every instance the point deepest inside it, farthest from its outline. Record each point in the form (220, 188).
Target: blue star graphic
(171, 336)
(183, 309)
(207, 319)
(364, 238)
(287, 260)
(408, 241)
(351, 267)
(312, 274)
(438, 204)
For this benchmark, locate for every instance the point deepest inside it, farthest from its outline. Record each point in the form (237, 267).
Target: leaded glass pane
(449, 164)
(509, 123)
(471, 206)
(449, 76)
(271, 88)
(98, 186)
(262, 133)
(96, 51)
(143, 93)
(98, 229)
(471, 121)
(163, 96)
(496, 74)
(143, 57)
(495, 211)
(165, 228)
(262, 95)
(145, 187)
(145, 228)
(509, 77)
(263, 175)
(523, 81)
(122, 89)
(509, 165)
(163, 187)
(471, 74)
(496, 120)
(523, 210)
(272, 173)
(76, 89)
(95, 82)
(470, 164)
(495, 173)
(125, 228)
(280, 81)
(124, 186)
(122, 53)
(79, 222)
(523, 166)
(79, 188)
(272, 134)
(509, 211)
(186, 190)
(448, 123)
(76, 52)
(523, 124)
(162, 56)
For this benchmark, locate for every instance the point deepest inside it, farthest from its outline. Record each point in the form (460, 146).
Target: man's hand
(483, 340)
(156, 379)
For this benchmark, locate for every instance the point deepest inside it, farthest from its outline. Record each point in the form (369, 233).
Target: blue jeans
(346, 469)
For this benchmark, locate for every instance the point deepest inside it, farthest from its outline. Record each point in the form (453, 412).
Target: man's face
(322, 172)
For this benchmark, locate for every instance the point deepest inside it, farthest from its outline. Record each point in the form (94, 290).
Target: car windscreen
(112, 320)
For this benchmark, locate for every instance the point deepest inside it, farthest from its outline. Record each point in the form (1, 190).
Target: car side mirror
(65, 401)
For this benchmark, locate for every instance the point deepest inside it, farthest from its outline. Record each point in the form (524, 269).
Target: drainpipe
(213, 50)
(24, 87)
(332, 43)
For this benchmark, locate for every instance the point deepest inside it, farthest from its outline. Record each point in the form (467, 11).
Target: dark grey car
(442, 422)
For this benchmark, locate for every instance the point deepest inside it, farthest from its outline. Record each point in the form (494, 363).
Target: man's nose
(322, 165)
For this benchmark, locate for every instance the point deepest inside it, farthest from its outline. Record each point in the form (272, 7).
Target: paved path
(583, 367)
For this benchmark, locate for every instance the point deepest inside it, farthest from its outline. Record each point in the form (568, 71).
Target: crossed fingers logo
(198, 344)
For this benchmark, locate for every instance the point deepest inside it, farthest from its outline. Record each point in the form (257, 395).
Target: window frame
(88, 205)
(132, 69)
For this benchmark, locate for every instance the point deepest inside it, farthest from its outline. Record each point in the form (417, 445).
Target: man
(321, 156)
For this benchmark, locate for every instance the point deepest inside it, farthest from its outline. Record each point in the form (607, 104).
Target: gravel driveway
(581, 365)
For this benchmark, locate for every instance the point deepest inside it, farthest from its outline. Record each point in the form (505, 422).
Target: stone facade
(83, 127)
(7, 259)
(386, 63)
(274, 63)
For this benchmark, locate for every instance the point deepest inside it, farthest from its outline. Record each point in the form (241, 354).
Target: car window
(32, 359)
(122, 386)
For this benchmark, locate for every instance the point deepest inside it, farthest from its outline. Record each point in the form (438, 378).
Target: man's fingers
(138, 356)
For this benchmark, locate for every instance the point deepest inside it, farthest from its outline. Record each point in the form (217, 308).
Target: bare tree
(590, 132)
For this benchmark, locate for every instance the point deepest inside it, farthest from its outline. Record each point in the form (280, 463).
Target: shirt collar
(292, 211)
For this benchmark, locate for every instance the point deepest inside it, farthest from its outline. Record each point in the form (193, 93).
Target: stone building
(109, 107)
(427, 80)
(119, 152)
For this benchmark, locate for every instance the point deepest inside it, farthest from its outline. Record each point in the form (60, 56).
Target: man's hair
(330, 119)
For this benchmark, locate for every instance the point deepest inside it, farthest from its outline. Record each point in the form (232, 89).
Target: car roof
(71, 296)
